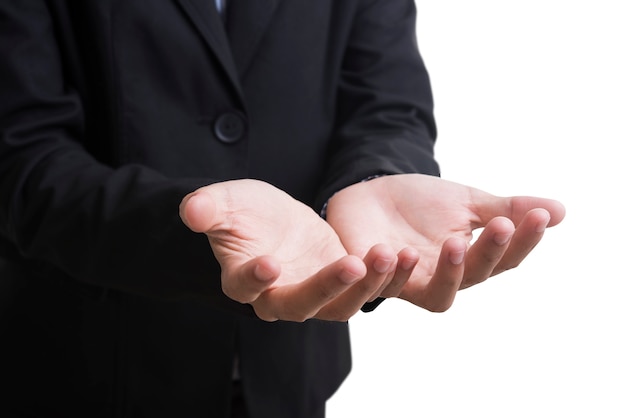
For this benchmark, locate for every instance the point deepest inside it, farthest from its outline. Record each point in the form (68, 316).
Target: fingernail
(457, 257)
(502, 239)
(382, 265)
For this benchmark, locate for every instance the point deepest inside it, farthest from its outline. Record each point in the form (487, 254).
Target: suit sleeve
(385, 122)
(66, 213)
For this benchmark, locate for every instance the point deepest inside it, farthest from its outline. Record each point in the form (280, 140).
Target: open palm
(437, 218)
(276, 253)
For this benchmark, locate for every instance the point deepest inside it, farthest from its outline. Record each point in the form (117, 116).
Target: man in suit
(117, 118)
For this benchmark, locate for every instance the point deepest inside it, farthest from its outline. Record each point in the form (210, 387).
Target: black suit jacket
(110, 112)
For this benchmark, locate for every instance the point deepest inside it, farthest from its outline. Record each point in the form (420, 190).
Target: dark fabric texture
(110, 112)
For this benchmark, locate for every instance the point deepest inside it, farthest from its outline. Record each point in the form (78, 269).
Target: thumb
(198, 211)
(516, 208)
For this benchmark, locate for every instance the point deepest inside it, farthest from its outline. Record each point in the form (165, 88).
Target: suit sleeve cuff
(370, 306)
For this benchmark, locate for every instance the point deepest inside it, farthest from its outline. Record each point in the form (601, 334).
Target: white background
(530, 99)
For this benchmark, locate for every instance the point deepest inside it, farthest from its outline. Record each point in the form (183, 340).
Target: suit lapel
(209, 23)
(247, 21)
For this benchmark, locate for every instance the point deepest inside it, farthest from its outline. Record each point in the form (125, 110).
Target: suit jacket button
(229, 127)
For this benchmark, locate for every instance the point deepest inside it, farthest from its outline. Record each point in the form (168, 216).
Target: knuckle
(237, 292)
(343, 318)
(299, 318)
(296, 315)
(439, 307)
(228, 290)
(234, 294)
(473, 280)
(264, 314)
(337, 315)
(503, 268)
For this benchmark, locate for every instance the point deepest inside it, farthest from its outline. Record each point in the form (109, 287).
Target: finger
(527, 236)
(407, 260)
(301, 301)
(438, 293)
(485, 254)
(251, 279)
(380, 262)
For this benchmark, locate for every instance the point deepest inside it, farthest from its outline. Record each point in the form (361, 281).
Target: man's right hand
(279, 256)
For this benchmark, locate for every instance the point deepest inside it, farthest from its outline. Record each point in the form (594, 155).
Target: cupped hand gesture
(432, 219)
(278, 255)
